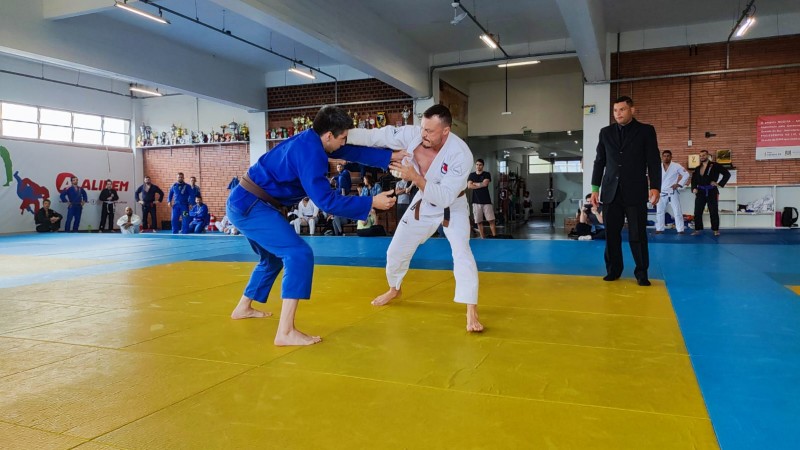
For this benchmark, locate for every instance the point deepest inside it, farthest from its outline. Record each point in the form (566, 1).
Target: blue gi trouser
(197, 226)
(73, 213)
(180, 218)
(277, 245)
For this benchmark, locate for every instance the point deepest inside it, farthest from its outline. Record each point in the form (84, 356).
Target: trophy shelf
(204, 144)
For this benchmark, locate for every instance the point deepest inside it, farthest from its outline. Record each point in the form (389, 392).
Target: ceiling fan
(457, 18)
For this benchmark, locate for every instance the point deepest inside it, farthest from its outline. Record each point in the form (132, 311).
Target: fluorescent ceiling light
(488, 39)
(302, 73)
(523, 63)
(745, 25)
(146, 91)
(505, 113)
(146, 14)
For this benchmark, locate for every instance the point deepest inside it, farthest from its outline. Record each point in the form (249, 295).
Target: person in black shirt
(107, 196)
(479, 182)
(705, 181)
(146, 196)
(46, 219)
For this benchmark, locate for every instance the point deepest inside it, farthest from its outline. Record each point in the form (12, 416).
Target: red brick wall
(213, 165)
(726, 105)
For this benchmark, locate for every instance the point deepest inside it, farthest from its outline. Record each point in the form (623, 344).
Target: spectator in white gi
(129, 223)
(307, 213)
(673, 178)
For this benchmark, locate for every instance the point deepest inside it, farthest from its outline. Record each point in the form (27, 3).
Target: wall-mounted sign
(588, 110)
(778, 137)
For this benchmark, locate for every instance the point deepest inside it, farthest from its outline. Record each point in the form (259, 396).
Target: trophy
(245, 132)
(355, 120)
(296, 123)
(405, 113)
(370, 122)
(234, 127)
(380, 119)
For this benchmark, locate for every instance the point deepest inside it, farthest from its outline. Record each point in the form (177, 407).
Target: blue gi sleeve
(311, 171)
(369, 156)
(171, 194)
(138, 191)
(63, 196)
(84, 196)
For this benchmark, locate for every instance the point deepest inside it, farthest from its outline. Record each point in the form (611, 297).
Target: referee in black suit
(627, 161)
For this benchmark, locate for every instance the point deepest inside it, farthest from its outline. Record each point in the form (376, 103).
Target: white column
(598, 95)
(258, 135)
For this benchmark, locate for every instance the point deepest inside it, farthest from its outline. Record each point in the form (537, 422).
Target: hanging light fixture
(522, 63)
(746, 20)
(489, 40)
(302, 73)
(506, 112)
(144, 90)
(157, 18)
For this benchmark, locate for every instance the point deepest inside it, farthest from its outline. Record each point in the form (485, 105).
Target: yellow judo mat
(149, 359)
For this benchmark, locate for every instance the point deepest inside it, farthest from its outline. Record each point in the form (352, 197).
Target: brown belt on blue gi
(445, 219)
(248, 185)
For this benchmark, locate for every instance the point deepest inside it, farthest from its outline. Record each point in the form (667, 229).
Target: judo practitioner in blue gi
(195, 191)
(199, 215)
(75, 197)
(178, 200)
(295, 169)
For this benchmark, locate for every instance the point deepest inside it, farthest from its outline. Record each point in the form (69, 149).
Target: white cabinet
(731, 197)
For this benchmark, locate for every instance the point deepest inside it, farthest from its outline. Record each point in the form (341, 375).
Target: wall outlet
(689, 143)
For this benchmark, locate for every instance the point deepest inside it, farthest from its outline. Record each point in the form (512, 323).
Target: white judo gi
(674, 174)
(446, 180)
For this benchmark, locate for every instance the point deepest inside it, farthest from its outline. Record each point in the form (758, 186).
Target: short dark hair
(703, 151)
(333, 119)
(479, 161)
(625, 99)
(180, 173)
(46, 200)
(439, 110)
(198, 196)
(667, 152)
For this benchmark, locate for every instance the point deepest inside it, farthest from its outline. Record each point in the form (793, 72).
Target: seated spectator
(199, 215)
(367, 228)
(46, 219)
(226, 226)
(590, 222)
(129, 223)
(333, 225)
(307, 213)
(370, 188)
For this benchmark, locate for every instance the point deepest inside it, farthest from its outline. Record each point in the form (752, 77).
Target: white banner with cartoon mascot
(32, 171)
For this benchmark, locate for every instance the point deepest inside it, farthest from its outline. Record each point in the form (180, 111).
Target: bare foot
(295, 337)
(386, 297)
(473, 325)
(244, 310)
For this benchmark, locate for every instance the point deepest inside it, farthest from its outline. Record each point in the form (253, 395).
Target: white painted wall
(600, 96)
(542, 104)
(188, 112)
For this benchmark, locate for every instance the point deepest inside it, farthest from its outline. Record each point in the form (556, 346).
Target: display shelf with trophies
(176, 136)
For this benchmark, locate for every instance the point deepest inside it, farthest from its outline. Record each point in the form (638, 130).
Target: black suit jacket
(627, 164)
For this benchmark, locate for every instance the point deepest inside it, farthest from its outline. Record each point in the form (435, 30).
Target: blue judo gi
(179, 195)
(294, 169)
(74, 195)
(200, 218)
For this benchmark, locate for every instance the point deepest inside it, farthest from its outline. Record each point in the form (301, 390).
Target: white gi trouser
(300, 221)
(411, 233)
(445, 180)
(674, 198)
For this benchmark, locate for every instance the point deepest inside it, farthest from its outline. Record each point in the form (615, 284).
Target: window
(502, 167)
(538, 165)
(32, 122)
(567, 166)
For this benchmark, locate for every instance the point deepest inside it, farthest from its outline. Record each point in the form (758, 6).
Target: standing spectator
(403, 191)
(343, 181)
(627, 156)
(705, 184)
(307, 214)
(199, 215)
(526, 205)
(482, 208)
(75, 197)
(178, 200)
(673, 178)
(195, 190)
(108, 197)
(46, 219)
(146, 196)
(129, 223)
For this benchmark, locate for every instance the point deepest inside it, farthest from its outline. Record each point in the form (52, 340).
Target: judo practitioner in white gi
(673, 178)
(439, 166)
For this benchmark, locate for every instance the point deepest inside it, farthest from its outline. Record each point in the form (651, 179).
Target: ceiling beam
(586, 28)
(351, 35)
(59, 9)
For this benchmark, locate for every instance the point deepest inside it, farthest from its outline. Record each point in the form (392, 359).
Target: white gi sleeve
(445, 192)
(395, 138)
(136, 220)
(685, 177)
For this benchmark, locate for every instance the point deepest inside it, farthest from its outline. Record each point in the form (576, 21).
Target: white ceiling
(424, 22)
